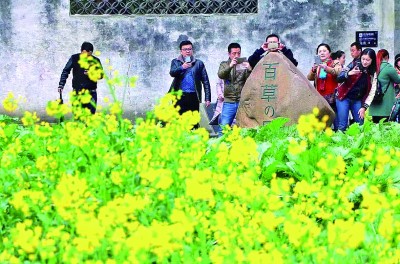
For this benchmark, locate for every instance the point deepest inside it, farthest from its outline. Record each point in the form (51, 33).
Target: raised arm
(289, 54)
(65, 73)
(224, 71)
(176, 69)
(256, 57)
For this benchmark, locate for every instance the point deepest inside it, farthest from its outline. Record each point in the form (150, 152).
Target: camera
(272, 45)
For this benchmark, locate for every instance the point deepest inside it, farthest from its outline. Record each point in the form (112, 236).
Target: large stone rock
(276, 88)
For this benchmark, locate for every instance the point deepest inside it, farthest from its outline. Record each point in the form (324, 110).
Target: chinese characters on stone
(269, 90)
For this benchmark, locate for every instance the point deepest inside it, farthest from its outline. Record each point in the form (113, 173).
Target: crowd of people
(350, 90)
(369, 81)
(232, 74)
(353, 88)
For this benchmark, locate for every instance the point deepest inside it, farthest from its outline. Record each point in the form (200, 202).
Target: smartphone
(188, 59)
(241, 60)
(317, 60)
(273, 45)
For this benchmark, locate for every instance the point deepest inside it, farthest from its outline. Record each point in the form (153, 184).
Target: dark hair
(396, 59)
(382, 53)
(371, 53)
(272, 35)
(337, 55)
(184, 43)
(87, 46)
(233, 46)
(324, 45)
(357, 44)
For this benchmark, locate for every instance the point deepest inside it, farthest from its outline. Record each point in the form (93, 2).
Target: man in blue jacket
(271, 44)
(189, 75)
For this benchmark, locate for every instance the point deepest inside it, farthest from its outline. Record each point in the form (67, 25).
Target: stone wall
(397, 27)
(37, 38)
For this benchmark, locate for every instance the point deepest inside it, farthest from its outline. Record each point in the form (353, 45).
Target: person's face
(272, 40)
(366, 60)
(354, 52)
(187, 50)
(235, 53)
(398, 64)
(342, 59)
(89, 53)
(323, 53)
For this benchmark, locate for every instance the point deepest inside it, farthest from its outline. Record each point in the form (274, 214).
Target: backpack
(379, 93)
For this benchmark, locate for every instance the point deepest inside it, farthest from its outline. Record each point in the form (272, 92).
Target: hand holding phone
(186, 65)
(317, 60)
(241, 60)
(354, 71)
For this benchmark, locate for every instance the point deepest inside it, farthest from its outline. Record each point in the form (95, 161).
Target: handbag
(345, 87)
(379, 93)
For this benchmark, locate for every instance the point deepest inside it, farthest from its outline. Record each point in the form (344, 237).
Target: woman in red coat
(324, 73)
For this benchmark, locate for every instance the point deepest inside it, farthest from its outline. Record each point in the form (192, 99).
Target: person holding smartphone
(358, 89)
(324, 73)
(272, 44)
(234, 76)
(355, 52)
(190, 75)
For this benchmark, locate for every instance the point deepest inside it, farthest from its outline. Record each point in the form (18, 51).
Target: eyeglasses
(187, 49)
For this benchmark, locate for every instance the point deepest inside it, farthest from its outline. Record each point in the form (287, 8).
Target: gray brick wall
(37, 38)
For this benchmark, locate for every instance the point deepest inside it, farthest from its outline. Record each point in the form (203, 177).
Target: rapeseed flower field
(103, 189)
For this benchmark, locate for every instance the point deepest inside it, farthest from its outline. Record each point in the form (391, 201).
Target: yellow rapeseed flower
(29, 118)
(10, 104)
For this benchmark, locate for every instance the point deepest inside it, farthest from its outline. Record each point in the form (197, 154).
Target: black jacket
(79, 79)
(256, 57)
(200, 77)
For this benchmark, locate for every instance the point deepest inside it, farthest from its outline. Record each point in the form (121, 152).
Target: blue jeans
(343, 108)
(228, 114)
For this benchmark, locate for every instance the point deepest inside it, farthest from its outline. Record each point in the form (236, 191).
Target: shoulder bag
(379, 93)
(345, 87)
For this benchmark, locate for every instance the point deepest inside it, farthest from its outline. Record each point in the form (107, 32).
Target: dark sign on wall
(367, 38)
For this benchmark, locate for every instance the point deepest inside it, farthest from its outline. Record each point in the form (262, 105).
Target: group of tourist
(353, 88)
(348, 89)
(189, 73)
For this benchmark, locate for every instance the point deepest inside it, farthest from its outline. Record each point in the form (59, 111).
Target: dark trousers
(189, 102)
(93, 102)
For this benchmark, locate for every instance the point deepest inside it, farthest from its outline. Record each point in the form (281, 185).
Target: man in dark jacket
(271, 44)
(86, 71)
(189, 76)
